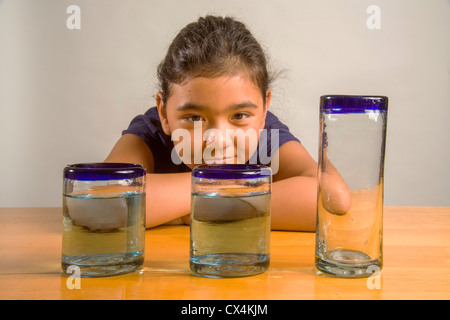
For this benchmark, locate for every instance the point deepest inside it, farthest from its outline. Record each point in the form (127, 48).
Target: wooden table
(416, 264)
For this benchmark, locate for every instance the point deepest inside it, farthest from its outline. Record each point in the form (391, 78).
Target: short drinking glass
(103, 218)
(230, 220)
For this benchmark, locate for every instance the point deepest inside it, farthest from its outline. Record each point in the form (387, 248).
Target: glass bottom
(229, 265)
(103, 265)
(348, 264)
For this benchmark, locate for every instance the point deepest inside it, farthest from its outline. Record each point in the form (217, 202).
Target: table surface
(416, 245)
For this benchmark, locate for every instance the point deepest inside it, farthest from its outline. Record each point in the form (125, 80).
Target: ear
(162, 113)
(266, 107)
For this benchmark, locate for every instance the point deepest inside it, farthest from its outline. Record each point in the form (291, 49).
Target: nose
(219, 134)
(219, 141)
(218, 137)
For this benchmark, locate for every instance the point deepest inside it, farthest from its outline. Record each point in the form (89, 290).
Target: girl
(214, 76)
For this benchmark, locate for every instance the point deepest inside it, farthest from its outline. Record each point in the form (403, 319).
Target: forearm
(294, 202)
(168, 197)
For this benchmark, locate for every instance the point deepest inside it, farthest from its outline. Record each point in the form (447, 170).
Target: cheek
(189, 144)
(246, 143)
(196, 147)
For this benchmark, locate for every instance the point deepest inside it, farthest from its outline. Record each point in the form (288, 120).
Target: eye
(193, 118)
(240, 116)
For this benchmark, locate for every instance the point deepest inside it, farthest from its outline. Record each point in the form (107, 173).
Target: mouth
(228, 160)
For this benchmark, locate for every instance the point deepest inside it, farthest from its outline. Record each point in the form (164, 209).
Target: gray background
(66, 95)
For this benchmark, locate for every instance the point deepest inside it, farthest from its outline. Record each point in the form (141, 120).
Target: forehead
(223, 90)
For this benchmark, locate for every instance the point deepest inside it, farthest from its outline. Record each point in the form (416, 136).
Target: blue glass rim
(231, 171)
(103, 171)
(352, 103)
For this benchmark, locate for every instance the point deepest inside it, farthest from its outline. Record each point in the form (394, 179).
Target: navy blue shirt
(148, 127)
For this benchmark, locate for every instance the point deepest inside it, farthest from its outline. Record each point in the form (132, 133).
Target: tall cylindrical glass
(230, 220)
(103, 218)
(350, 195)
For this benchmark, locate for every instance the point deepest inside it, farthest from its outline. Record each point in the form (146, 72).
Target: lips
(220, 160)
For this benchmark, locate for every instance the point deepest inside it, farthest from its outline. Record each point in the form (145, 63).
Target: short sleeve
(284, 135)
(148, 127)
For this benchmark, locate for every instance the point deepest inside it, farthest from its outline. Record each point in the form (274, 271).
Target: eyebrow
(246, 104)
(242, 105)
(190, 106)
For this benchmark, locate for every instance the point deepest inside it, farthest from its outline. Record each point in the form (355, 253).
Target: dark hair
(211, 47)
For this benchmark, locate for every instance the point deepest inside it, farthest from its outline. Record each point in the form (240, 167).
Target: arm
(294, 190)
(335, 193)
(167, 195)
(295, 186)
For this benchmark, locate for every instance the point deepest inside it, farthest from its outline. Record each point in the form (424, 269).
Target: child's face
(225, 103)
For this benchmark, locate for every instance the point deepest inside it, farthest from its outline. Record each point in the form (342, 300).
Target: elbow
(338, 202)
(335, 196)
